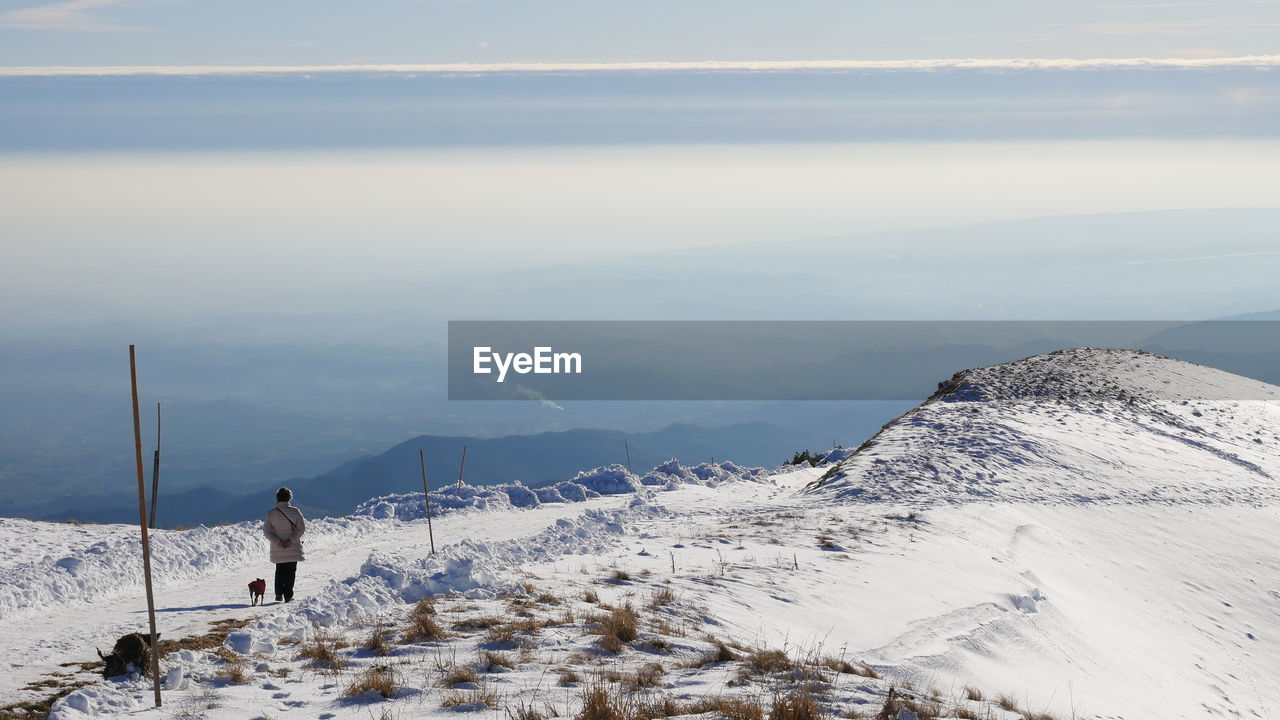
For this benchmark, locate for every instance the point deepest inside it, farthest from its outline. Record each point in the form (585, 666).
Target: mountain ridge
(1039, 429)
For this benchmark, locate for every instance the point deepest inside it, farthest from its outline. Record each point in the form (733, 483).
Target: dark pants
(285, 572)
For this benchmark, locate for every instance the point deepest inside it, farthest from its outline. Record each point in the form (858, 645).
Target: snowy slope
(1075, 426)
(1092, 534)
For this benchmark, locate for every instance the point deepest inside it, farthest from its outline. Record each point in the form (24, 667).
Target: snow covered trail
(74, 588)
(70, 633)
(1128, 611)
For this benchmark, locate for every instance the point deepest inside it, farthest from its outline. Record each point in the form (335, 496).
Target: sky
(247, 156)
(309, 32)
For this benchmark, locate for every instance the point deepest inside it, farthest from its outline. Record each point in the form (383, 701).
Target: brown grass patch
(379, 678)
(925, 709)
(649, 676)
(799, 704)
(378, 641)
(733, 708)
(233, 670)
(618, 628)
(491, 661)
(720, 653)
(484, 695)
(527, 711)
(217, 635)
(422, 625)
(483, 622)
(322, 652)
(763, 662)
(662, 596)
(599, 704)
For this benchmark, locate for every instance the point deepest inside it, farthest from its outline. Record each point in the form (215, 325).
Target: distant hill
(532, 459)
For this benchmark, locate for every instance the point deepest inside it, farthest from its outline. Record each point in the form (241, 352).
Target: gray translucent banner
(820, 360)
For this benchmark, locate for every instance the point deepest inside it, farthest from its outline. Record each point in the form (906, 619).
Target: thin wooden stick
(155, 472)
(142, 523)
(463, 466)
(426, 494)
(628, 447)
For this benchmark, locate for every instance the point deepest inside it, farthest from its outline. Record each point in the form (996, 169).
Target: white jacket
(285, 522)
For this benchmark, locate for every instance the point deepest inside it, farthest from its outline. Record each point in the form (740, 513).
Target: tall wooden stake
(142, 523)
(463, 466)
(628, 447)
(155, 472)
(426, 494)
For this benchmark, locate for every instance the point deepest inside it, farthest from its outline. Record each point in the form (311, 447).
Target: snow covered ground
(1085, 534)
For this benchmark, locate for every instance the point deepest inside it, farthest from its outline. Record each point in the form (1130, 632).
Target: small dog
(257, 589)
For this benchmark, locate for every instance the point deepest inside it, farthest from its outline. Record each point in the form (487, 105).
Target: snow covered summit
(1079, 425)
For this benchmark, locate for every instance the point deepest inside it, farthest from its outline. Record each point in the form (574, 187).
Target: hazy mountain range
(533, 459)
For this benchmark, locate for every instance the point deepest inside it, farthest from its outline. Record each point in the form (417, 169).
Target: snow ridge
(475, 569)
(1084, 425)
(86, 563)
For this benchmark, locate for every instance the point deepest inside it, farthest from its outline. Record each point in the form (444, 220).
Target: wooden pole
(155, 472)
(628, 447)
(463, 466)
(426, 495)
(142, 523)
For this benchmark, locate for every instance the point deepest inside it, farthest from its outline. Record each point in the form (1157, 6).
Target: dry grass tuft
(924, 709)
(762, 662)
(598, 704)
(591, 596)
(459, 674)
(568, 677)
(733, 708)
(618, 628)
(799, 704)
(378, 641)
(973, 693)
(649, 676)
(422, 626)
(662, 596)
(511, 633)
(619, 702)
(484, 622)
(720, 653)
(526, 711)
(322, 651)
(482, 695)
(379, 678)
(491, 661)
(233, 672)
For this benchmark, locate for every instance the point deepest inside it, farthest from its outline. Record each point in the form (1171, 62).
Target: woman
(284, 528)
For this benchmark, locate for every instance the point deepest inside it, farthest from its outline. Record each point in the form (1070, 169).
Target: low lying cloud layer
(395, 106)
(1252, 61)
